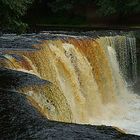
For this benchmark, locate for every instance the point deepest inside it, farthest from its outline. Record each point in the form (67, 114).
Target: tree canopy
(119, 7)
(104, 7)
(11, 12)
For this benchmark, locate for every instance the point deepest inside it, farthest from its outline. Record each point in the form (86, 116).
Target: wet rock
(20, 121)
(25, 41)
(12, 79)
(16, 42)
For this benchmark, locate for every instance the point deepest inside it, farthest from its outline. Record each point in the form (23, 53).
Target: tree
(119, 7)
(11, 12)
(60, 5)
(104, 7)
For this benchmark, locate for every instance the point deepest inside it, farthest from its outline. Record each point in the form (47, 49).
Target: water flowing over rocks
(52, 80)
(19, 120)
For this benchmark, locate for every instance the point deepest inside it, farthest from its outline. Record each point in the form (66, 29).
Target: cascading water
(87, 79)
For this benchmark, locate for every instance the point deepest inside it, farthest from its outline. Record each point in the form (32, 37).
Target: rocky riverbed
(20, 120)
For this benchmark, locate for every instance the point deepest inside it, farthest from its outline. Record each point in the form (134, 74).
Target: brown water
(87, 79)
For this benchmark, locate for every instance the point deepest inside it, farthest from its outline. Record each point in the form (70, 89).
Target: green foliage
(104, 7)
(11, 12)
(118, 7)
(60, 5)
(65, 5)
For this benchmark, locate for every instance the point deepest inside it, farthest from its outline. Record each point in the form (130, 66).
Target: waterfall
(88, 76)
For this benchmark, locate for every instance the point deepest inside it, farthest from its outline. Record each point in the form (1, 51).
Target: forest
(16, 15)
